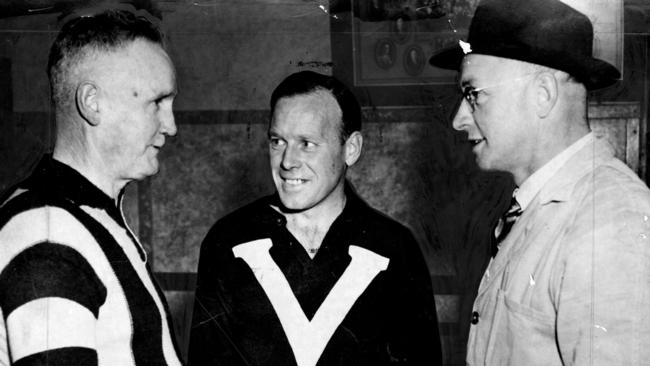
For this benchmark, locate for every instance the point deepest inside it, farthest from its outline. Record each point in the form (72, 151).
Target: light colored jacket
(571, 282)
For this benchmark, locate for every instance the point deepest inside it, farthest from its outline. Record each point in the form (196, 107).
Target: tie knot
(505, 224)
(514, 210)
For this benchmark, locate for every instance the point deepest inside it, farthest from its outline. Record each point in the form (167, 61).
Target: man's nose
(290, 157)
(168, 123)
(464, 116)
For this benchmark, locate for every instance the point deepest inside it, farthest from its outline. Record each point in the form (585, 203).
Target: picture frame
(411, 31)
(362, 29)
(381, 48)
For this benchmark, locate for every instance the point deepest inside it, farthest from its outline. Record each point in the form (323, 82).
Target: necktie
(505, 224)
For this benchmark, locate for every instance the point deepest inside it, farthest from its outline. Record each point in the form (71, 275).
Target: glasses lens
(469, 93)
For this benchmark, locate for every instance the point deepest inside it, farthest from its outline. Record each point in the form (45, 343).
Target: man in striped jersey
(75, 288)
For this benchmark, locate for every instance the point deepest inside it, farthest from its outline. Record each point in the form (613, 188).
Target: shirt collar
(533, 184)
(53, 175)
(352, 205)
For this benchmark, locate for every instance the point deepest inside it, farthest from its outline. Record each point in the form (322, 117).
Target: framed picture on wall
(381, 48)
(393, 39)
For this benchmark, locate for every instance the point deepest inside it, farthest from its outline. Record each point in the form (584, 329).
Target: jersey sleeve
(211, 338)
(417, 338)
(50, 298)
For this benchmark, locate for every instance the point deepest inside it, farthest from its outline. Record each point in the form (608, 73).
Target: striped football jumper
(75, 287)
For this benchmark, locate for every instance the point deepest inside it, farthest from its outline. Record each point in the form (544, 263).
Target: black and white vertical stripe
(74, 290)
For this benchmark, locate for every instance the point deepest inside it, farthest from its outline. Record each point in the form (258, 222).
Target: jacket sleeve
(211, 339)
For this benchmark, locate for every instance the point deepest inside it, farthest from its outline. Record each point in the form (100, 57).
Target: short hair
(80, 36)
(305, 82)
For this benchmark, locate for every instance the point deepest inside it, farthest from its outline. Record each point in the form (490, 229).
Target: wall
(229, 56)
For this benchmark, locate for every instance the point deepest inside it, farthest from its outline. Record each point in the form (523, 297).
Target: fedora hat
(543, 32)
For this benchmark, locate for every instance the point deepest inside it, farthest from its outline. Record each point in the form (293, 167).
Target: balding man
(75, 288)
(570, 282)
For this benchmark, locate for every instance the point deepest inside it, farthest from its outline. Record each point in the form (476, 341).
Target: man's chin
(151, 172)
(146, 172)
(153, 167)
(483, 163)
(291, 204)
(291, 207)
(489, 166)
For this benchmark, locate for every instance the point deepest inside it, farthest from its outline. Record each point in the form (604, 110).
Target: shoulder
(31, 194)
(20, 199)
(377, 231)
(378, 222)
(32, 216)
(610, 207)
(612, 187)
(246, 223)
(31, 213)
(611, 175)
(44, 252)
(248, 213)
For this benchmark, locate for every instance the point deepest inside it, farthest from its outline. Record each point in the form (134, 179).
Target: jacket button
(475, 317)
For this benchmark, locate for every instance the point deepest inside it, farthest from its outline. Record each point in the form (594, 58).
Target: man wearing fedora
(570, 280)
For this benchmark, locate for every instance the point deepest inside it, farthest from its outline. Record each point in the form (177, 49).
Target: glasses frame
(470, 94)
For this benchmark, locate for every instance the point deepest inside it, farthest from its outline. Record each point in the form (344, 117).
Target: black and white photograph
(324, 182)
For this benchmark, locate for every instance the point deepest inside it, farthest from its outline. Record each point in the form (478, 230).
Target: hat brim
(448, 58)
(593, 73)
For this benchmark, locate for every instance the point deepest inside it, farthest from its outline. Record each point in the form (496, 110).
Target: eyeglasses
(470, 93)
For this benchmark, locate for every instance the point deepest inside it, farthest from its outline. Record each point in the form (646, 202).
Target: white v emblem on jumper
(309, 338)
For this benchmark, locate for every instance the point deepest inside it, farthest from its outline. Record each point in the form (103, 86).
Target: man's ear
(87, 102)
(546, 93)
(353, 146)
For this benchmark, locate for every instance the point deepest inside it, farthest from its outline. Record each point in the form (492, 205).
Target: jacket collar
(560, 187)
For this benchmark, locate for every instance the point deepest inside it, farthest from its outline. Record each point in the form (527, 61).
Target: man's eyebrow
(172, 94)
(314, 137)
(166, 94)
